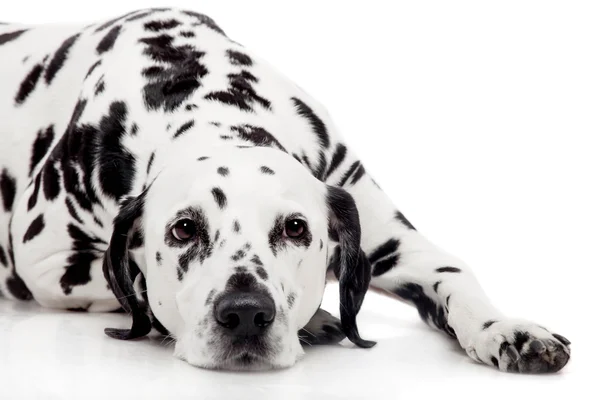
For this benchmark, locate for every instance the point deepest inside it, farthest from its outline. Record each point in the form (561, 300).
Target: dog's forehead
(237, 177)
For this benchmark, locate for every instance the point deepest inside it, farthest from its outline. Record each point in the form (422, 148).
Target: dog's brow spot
(267, 170)
(223, 171)
(203, 158)
(256, 260)
(158, 258)
(236, 226)
(262, 273)
(215, 123)
(220, 197)
(160, 303)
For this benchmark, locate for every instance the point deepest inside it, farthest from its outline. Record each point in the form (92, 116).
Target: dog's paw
(519, 346)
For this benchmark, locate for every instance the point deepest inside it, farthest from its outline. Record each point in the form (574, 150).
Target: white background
(481, 120)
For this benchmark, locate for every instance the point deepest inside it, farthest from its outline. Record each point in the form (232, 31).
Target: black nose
(245, 313)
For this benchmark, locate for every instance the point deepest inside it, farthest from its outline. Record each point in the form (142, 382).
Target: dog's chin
(245, 361)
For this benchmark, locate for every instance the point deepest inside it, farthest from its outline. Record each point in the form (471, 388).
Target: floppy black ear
(354, 272)
(120, 272)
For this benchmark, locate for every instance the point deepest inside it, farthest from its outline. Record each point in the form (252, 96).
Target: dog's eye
(184, 230)
(295, 228)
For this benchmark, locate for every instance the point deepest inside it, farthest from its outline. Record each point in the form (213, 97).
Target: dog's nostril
(231, 322)
(262, 320)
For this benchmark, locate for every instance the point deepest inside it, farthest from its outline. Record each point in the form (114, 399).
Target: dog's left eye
(184, 230)
(295, 228)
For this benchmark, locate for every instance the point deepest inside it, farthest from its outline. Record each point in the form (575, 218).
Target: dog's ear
(353, 268)
(121, 273)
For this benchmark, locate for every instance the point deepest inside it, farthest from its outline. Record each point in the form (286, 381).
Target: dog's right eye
(184, 230)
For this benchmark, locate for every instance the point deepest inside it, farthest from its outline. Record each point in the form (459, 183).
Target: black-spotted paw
(519, 346)
(323, 328)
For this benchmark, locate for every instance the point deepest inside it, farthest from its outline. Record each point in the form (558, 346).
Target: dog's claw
(562, 339)
(513, 353)
(537, 346)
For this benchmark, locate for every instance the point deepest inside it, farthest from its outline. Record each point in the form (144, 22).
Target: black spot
(7, 37)
(17, 288)
(320, 244)
(152, 71)
(169, 87)
(210, 297)
(429, 310)
(215, 123)
(190, 107)
(36, 190)
(82, 241)
(436, 285)
(226, 137)
(241, 93)
(187, 34)
(134, 129)
(72, 210)
(384, 257)
(223, 171)
(240, 269)
(315, 122)
(116, 164)
(150, 161)
(448, 269)
(108, 41)
(158, 258)
(336, 159)
(51, 182)
(28, 84)
(238, 58)
(520, 339)
(494, 361)
(356, 171)
(157, 26)
(8, 188)
(3, 259)
(220, 197)
(59, 58)
(35, 228)
(236, 226)
(183, 128)
(256, 260)
(256, 135)
(262, 273)
(291, 299)
(77, 272)
(400, 217)
(238, 255)
(98, 222)
(203, 158)
(100, 86)
(267, 170)
(41, 145)
(93, 67)
(488, 324)
(184, 260)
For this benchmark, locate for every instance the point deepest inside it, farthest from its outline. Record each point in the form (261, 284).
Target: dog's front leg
(448, 297)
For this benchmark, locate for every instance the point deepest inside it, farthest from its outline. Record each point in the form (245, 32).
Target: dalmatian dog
(151, 164)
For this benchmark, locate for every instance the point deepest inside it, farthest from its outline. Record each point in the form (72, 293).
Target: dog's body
(92, 116)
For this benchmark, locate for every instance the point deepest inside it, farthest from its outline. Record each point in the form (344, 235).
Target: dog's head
(235, 250)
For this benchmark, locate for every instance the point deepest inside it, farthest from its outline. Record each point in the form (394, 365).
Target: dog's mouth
(249, 353)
